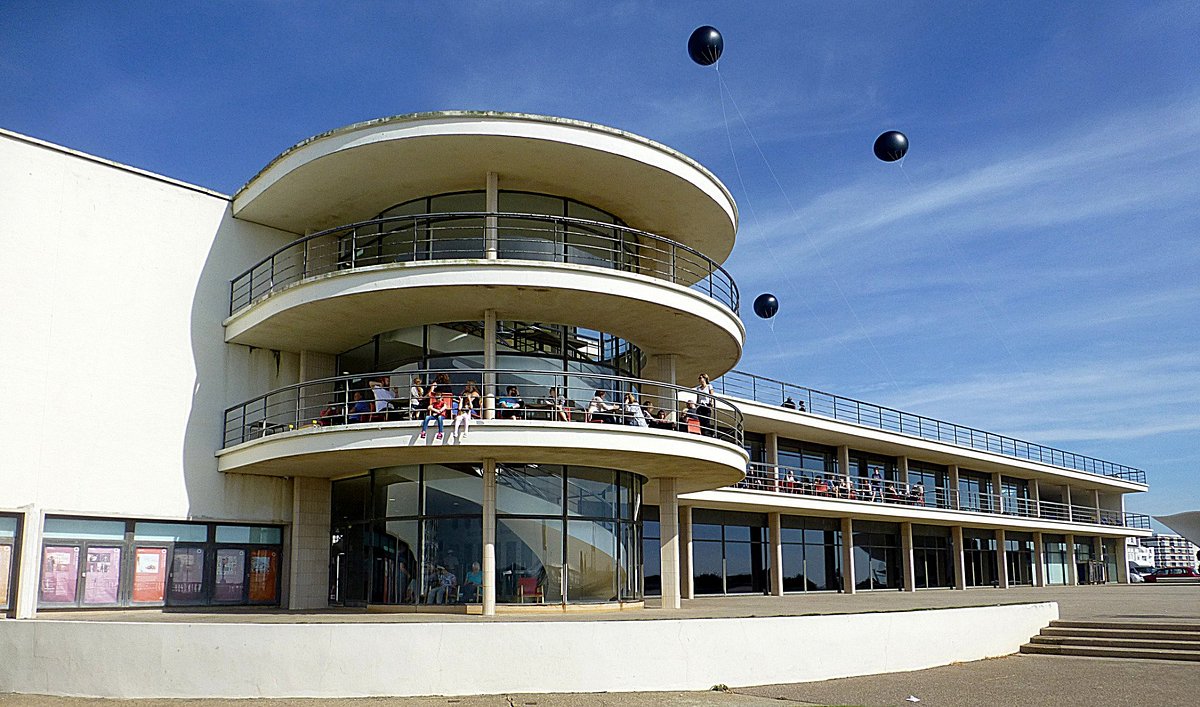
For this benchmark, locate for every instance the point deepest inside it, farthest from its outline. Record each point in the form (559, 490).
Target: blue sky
(1032, 268)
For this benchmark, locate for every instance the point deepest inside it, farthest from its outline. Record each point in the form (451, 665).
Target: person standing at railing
(704, 405)
(416, 398)
(876, 487)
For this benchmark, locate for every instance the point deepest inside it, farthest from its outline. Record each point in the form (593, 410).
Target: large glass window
(934, 479)
(729, 552)
(979, 557)
(877, 555)
(812, 554)
(975, 491)
(933, 564)
(1019, 557)
(1054, 549)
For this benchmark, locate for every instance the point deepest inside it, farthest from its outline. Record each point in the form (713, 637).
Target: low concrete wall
(103, 659)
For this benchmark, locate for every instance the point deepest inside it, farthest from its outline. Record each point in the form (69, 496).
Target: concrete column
(952, 492)
(960, 558)
(1072, 571)
(29, 569)
(775, 521)
(997, 500)
(308, 551)
(1096, 503)
(668, 523)
(772, 450)
(661, 367)
(489, 537)
(1067, 501)
(491, 203)
(902, 469)
(1122, 561)
(908, 558)
(844, 460)
(1036, 497)
(1039, 561)
(489, 364)
(1001, 559)
(687, 583)
(848, 581)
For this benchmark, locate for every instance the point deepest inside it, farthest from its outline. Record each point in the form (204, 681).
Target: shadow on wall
(226, 374)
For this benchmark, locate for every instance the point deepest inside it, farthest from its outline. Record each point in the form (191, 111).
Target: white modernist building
(252, 399)
(1172, 551)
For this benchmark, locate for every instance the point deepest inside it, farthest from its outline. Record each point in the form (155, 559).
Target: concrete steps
(1101, 639)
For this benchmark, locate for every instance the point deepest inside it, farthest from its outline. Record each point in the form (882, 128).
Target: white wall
(113, 368)
(229, 660)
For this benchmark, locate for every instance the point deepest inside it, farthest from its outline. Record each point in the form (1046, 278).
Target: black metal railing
(807, 482)
(531, 395)
(765, 390)
(472, 235)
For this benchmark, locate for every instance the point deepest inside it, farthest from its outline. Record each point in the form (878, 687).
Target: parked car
(1170, 573)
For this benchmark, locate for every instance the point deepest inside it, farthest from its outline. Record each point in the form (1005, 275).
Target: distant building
(1172, 551)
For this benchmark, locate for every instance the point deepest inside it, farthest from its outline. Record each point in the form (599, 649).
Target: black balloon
(705, 45)
(765, 305)
(891, 146)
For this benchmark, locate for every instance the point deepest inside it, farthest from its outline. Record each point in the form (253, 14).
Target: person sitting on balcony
(662, 420)
(332, 414)
(890, 494)
(634, 415)
(789, 482)
(600, 410)
(510, 405)
(436, 411)
(360, 409)
(385, 398)
(789, 403)
(416, 398)
(918, 494)
(821, 486)
(691, 417)
(556, 404)
(468, 407)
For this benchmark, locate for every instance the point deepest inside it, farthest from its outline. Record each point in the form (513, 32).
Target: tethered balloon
(705, 45)
(891, 146)
(765, 305)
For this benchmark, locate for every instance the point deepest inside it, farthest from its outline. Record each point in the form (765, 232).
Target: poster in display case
(263, 575)
(60, 574)
(231, 575)
(5, 573)
(149, 574)
(102, 578)
(186, 584)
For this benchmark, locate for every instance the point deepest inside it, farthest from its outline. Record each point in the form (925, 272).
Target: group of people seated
(837, 486)
(436, 402)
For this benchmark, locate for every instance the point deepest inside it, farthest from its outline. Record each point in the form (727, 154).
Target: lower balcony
(353, 423)
(855, 494)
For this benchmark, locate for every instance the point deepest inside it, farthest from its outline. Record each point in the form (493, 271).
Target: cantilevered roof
(352, 173)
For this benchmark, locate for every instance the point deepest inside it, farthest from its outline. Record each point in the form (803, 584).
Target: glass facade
(934, 478)
(1054, 550)
(979, 557)
(812, 554)
(729, 552)
(414, 535)
(877, 555)
(933, 564)
(102, 562)
(1020, 557)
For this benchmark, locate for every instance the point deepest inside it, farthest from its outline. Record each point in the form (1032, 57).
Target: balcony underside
(698, 462)
(335, 312)
(766, 501)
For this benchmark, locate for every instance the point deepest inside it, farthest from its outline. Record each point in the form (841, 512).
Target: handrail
(766, 390)
(548, 396)
(795, 480)
(476, 234)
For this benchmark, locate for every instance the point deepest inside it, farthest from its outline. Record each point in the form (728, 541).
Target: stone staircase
(1118, 639)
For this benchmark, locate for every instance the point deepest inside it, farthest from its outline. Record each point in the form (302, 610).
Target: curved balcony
(331, 290)
(797, 481)
(353, 423)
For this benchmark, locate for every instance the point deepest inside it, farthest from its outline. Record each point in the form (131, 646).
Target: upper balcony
(354, 173)
(907, 425)
(352, 423)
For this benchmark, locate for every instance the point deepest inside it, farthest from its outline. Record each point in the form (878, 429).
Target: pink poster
(103, 577)
(60, 572)
(149, 573)
(5, 571)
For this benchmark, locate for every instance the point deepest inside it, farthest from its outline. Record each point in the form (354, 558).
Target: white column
(774, 520)
(687, 583)
(1067, 501)
(1035, 495)
(1122, 561)
(1001, 559)
(847, 555)
(489, 364)
(29, 571)
(491, 203)
(668, 524)
(308, 549)
(952, 491)
(1072, 571)
(844, 460)
(1039, 561)
(1096, 503)
(959, 556)
(907, 556)
(772, 450)
(489, 537)
(997, 501)
(902, 469)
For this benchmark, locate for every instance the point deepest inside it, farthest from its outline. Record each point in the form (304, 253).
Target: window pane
(397, 491)
(529, 489)
(349, 500)
(395, 564)
(591, 493)
(528, 560)
(8, 527)
(230, 579)
(453, 547)
(591, 561)
(80, 529)
(60, 574)
(186, 583)
(170, 532)
(707, 572)
(249, 535)
(456, 490)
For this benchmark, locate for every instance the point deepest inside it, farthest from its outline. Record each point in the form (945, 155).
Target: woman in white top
(704, 406)
(634, 415)
(468, 405)
(416, 398)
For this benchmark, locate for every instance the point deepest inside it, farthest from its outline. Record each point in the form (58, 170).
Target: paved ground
(1128, 602)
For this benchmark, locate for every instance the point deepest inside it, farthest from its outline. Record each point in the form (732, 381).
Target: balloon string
(796, 216)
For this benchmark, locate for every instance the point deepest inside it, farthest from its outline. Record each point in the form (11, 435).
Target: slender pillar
(1072, 570)
(997, 500)
(1122, 561)
(30, 569)
(775, 521)
(908, 557)
(661, 368)
(1096, 503)
(1001, 559)
(489, 537)
(668, 523)
(308, 549)
(952, 491)
(772, 450)
(1067, 502)
(1039, 561)
(960, 557)
(902, 469)
(1035, 495)
(844, 460)
(492, 204)
(847, 555)
(489, 364)
(687, 583)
